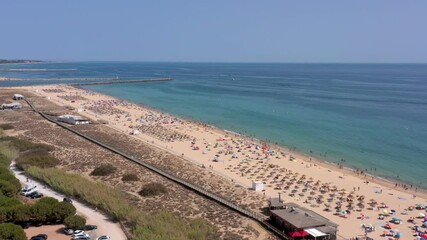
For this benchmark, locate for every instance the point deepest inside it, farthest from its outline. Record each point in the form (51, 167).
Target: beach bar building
(11, 106)
(18, 97)
(299, 222)
(72, 119)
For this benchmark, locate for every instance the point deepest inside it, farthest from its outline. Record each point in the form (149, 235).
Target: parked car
(28, 192)
(25, 225)
(68, 200)
(104, 238)
(79, 233)
(89, 227)
(28, 189)
(85, 237)
(82, 238)
(39, 236)
(37, 224)
(68, 231)
(35, 194)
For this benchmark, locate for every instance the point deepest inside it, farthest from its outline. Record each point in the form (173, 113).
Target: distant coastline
(19, 61)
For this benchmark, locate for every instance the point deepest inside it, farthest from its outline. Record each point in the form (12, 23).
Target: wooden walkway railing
(261, 219)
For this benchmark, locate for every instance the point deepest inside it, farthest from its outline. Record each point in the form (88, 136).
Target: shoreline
(386, 182)
(382, 180)
(324, 171)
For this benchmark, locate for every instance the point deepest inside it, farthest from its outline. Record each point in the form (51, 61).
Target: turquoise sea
(374, 116)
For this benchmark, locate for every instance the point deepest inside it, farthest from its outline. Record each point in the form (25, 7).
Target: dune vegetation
(163, 225)
(38, 163)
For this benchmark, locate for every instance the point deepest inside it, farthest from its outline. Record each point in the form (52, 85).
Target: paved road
(105, 225)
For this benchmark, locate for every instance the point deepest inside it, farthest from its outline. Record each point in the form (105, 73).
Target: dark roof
(275, 203)
(327, 229)
(301, 218)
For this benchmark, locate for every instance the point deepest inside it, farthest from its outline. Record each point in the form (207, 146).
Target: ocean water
(374, 116)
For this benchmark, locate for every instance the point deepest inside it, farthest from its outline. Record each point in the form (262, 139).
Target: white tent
(314, 232)
(18, 97)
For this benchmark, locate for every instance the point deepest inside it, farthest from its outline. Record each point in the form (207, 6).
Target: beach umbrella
(296, 234)
(422, 214)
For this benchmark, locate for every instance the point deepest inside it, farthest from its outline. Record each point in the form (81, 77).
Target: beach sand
(298, 178)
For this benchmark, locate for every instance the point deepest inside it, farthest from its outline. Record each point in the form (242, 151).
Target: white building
(18, 97)
(72, 119)
(257, 186)
(14, 105)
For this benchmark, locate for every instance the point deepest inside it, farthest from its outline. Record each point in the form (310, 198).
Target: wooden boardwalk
(261, 219)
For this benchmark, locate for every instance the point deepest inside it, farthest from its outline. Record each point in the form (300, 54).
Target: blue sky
(215, 31)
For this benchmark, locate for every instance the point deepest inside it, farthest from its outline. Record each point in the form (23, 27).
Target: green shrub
(8, 189)
(9, 202)
(152, 189)
(130, 177)
(7, 176)
(38, 158)
(103, 170)
(6, 126)
(75, 222)
(48, 200)
(4, 161)
(22, 213)
(62, 210)
(11, 231)
(41, 211)
(3, 215)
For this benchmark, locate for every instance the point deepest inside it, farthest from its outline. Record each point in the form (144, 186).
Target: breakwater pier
(115, 81)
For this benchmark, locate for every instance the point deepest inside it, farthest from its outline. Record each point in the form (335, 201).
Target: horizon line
(219, 62)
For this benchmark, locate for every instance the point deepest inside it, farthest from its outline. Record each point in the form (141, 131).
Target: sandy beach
(349, 198)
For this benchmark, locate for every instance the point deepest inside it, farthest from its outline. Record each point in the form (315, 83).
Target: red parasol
(301, 233)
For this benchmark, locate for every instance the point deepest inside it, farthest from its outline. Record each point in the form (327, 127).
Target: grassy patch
(103, 170)
(39, 158)
(163, 225)
(152, 189)
(23, 145)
